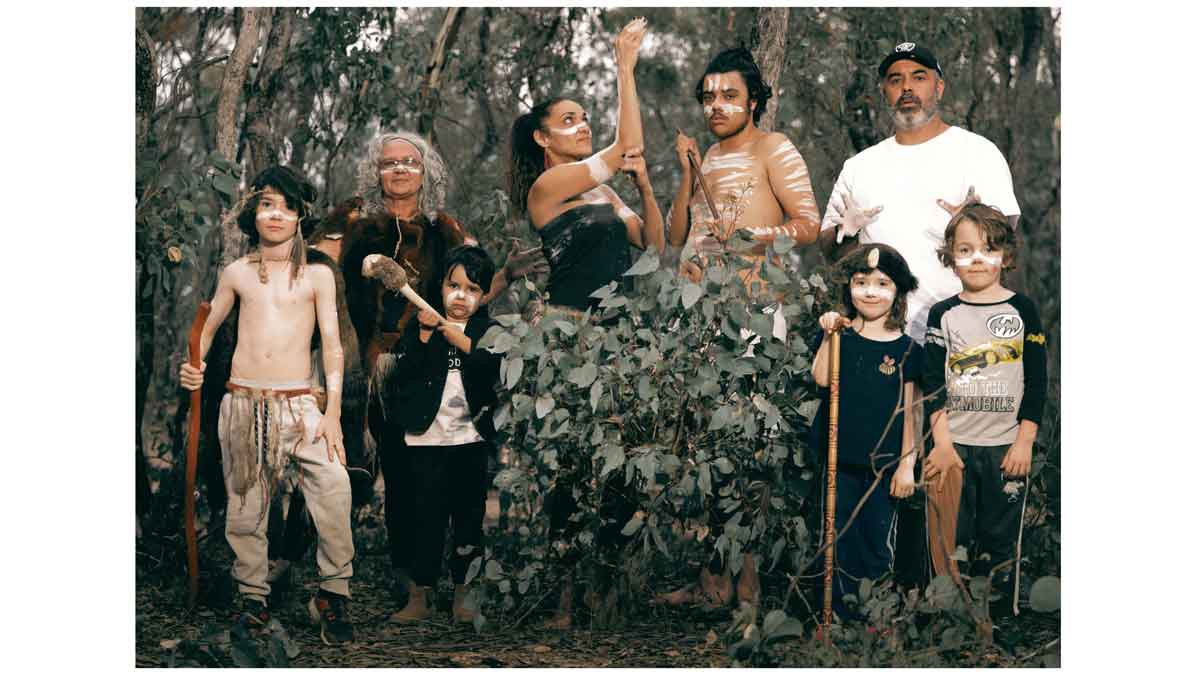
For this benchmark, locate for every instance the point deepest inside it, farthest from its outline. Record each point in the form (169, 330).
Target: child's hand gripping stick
(394, 278)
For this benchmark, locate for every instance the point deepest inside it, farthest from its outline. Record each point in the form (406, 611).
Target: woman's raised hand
(629, 41)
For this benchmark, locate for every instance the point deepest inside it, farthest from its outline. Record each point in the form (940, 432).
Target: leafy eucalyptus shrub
(688, 400)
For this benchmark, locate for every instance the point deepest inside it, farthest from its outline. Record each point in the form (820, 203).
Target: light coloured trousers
(246, 422)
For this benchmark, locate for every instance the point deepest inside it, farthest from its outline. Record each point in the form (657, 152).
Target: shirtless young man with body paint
(758, 179)
(759, 183)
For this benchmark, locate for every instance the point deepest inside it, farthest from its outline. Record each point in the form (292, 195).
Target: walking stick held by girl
(877, 450)
(835, 362)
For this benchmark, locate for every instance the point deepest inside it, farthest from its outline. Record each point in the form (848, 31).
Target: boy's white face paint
(570, 131)
(464, 297)
(275, 214)
(712, 83)
(978, 256)
(725, 109)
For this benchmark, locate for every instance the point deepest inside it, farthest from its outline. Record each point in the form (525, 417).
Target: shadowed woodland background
(222, 93)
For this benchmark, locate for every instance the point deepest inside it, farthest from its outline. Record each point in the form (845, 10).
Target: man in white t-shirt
(902, 191)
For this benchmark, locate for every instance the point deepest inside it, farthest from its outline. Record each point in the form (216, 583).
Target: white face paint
(570, 131)
(464, 297)
(713, 83)
(725, 109)
(872, 292)
(979, 256)
(275, 214)
(395, 166)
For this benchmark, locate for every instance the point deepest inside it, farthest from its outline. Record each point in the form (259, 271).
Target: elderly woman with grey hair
(402, 185)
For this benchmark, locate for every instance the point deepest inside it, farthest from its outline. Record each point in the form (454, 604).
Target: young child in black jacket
(445, 397)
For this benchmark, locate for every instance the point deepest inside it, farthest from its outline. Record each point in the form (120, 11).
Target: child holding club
(876, 444)
(986, 377)
(442, 389)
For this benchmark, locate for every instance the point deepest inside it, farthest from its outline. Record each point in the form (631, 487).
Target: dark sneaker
(250, 612)
(329, 610)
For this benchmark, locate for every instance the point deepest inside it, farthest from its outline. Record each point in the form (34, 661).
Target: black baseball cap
(913, 52)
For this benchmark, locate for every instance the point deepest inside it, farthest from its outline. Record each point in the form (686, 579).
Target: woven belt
(282, 393)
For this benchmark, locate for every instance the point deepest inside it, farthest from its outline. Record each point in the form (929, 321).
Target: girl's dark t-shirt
(871, 389)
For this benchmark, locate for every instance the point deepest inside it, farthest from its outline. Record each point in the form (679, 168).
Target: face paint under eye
(570, 131)
(462, 296)
(872, 291)
(723, 108)
(966, 261)
(397, 167)
(275, 214)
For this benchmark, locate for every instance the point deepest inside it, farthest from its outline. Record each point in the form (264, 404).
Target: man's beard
(908, 121)
(733, 133)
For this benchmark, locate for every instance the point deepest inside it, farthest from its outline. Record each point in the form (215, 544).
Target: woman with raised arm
(586, 231)
(555, 178)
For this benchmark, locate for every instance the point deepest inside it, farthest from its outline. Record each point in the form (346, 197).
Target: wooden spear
(193, 444)
(835, 360)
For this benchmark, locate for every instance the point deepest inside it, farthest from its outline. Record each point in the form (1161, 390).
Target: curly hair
(994, 227)
(527, 159)
(297, 192)
(892, 264)
(741, 60)
(435, 180)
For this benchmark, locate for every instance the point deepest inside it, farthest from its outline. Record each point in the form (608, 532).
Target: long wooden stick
(193, 445)
(712, 205)
(835, 360)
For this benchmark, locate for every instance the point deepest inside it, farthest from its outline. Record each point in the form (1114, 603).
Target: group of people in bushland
(928, 332)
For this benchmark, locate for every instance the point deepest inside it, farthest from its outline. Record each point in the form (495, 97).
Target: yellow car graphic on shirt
(982, 356)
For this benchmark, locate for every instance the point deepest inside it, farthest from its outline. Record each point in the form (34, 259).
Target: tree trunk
(431, 90)
(533, 57)
(770, 52)
(491, 138)
(260, 142)
(146, 74)
(227, 106)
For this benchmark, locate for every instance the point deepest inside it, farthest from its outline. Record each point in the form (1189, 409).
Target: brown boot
(460, 612)
(417, 608)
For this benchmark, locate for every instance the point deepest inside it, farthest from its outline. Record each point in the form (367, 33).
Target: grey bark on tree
(228, 101)
(770, 52)
(491, 138)
(146, 74)
(261, 145)
(431, 90)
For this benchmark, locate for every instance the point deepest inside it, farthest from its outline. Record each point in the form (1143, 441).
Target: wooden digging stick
(193, 445)
(835, 358)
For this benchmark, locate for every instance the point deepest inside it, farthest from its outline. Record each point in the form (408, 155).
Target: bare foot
(748, 588)
(677, 597)
(715, 591)
(562, 616)
(560, 621)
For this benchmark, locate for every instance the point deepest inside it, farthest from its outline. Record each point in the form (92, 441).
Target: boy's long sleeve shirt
(986, 366)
